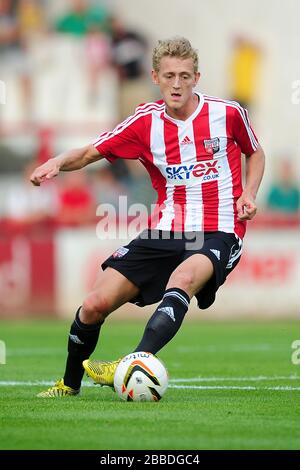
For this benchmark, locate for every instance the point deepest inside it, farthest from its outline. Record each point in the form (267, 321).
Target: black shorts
(149, 260)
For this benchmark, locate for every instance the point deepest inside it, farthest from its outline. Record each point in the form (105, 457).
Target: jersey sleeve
(242, 131)
(123, 142)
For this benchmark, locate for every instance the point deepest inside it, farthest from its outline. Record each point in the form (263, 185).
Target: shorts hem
(121, 271)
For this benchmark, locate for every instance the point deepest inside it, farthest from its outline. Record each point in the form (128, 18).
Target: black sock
(166, 321)
(82, 342)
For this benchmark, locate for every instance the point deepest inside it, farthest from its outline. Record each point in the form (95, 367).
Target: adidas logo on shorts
(216, 253)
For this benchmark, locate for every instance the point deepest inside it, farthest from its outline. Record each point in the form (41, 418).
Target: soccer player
(191, 145)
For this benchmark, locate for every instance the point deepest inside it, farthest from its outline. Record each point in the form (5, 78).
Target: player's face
(176, 79)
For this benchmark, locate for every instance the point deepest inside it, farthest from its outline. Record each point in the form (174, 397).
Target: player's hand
(246, 207)
(48, 170)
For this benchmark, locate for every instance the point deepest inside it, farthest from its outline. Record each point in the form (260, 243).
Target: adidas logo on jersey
(186, 141)
(216, 253)
(169, 311)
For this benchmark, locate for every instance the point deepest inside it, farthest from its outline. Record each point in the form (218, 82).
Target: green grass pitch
(232, 386)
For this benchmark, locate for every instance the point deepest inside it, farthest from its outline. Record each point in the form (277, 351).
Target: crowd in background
(107, 60)
(111, 58)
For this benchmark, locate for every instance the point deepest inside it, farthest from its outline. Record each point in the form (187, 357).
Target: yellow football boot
(59, 389)
(101, 372)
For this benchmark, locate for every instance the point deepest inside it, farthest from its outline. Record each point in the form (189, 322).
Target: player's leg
(186, 280)
(198, 274)
(110, 291)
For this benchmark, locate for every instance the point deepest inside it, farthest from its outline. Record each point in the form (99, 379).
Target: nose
(176, 83)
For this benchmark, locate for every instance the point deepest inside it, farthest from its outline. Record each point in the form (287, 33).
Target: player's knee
(94, 308)
(182, 279)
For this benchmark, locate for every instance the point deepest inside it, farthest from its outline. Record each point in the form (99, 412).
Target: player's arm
(255, 164)
(73, 159)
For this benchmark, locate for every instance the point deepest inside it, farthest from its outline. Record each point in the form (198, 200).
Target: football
(141, 376)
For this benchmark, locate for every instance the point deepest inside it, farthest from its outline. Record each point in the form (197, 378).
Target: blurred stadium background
(72, 69)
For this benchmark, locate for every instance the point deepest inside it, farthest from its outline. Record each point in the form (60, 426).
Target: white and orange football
(141, 376)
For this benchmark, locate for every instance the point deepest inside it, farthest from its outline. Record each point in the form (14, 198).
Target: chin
(174, 105)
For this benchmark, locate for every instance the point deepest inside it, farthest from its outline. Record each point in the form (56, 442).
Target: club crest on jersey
(212, 145)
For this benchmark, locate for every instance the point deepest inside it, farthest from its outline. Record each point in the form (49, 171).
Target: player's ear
(154, 77)
(197, 77)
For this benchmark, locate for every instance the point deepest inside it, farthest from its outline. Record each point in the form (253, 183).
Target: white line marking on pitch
(39, 383)
(8, 383)
(236, 379)
(234, 387)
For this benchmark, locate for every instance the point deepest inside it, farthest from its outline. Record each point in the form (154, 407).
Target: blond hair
(176, 47)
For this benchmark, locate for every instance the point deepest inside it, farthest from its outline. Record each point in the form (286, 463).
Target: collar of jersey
(164, 115)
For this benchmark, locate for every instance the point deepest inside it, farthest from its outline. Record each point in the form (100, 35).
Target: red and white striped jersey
(194, 165)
